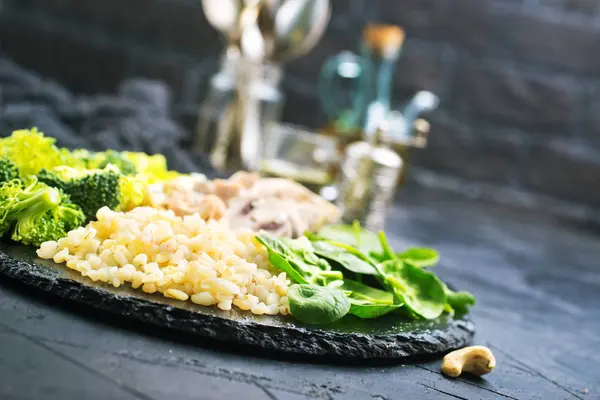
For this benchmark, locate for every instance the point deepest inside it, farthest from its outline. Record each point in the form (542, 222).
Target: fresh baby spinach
(280, 256)
(343, 257)
(421, 291)
(353, 235)
(361, 291)
(370, 311)
(459, 302)
(314, 304)
(295, 258)
(368, 302)
(346, 269)
(419, 256)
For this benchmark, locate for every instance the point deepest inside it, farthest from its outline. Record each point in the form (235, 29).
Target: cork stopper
(385, 40)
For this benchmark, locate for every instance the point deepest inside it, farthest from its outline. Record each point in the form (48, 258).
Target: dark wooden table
(537, 281)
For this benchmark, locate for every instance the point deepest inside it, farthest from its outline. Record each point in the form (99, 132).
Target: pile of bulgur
(181, 257)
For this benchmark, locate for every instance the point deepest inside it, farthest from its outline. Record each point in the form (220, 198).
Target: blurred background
(518, 85)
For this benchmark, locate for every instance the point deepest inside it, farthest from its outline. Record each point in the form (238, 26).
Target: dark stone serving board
(386, 337)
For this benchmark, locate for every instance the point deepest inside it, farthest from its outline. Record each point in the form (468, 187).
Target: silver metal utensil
(267, 33)
(224, 15)
(291, 28)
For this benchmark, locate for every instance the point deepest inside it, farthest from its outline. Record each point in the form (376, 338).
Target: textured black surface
(387, 337)
(535, 278)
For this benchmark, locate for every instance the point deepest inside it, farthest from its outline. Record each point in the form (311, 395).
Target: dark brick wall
(519, 80)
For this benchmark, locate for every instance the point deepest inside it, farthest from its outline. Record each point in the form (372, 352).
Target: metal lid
(380, 155)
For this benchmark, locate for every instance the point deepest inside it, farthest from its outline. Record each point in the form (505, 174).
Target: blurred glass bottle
(355, 90)
(243, 97)
(356, 94)
(220, 94)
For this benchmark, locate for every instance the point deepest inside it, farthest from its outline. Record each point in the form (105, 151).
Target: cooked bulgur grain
(183, 258)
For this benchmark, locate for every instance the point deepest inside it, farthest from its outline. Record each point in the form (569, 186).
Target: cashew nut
(476, 360)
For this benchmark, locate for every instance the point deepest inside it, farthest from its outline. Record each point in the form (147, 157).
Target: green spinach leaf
(368, 302)
(421, 291)
(351, 235)
(370, 311)
(360, 291)
(313, 304)
(459, 301)
(379, 257)
(409, 288)
(420, 256)
(279, 257)
(343, 257)
(302, 265)
(387, 250)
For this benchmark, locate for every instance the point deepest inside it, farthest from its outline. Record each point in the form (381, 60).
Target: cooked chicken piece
(212, 207)
(281, 188)
(303, 197)
(241, 206)
(245, 179)
(184, 202)
(313, 218)
(188, 202)
(279, 216)
(270, 215)
(206, 187)
(279, 206)
(227, 190)
(184, 183)
(273, 218)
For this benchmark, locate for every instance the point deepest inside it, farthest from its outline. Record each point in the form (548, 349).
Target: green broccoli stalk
(52, 225)
(8, 170)
(90, 189)
(29, 215)
(36, 213)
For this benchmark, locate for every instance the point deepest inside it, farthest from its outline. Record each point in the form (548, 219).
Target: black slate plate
(386, 337)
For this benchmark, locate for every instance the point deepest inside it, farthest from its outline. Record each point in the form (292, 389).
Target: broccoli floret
(35, 213)
(90, 189)
(52, 178)
(153, 166)
(8, 170)
(31, 151)
(81, 158)
(69, 214)
(53, 225)
(115, 158)
(94, 191)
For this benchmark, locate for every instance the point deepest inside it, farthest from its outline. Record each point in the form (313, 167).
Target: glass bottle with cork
(355, 90)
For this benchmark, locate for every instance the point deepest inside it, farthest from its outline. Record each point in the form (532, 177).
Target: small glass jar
(297, 153)
(368, 180)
